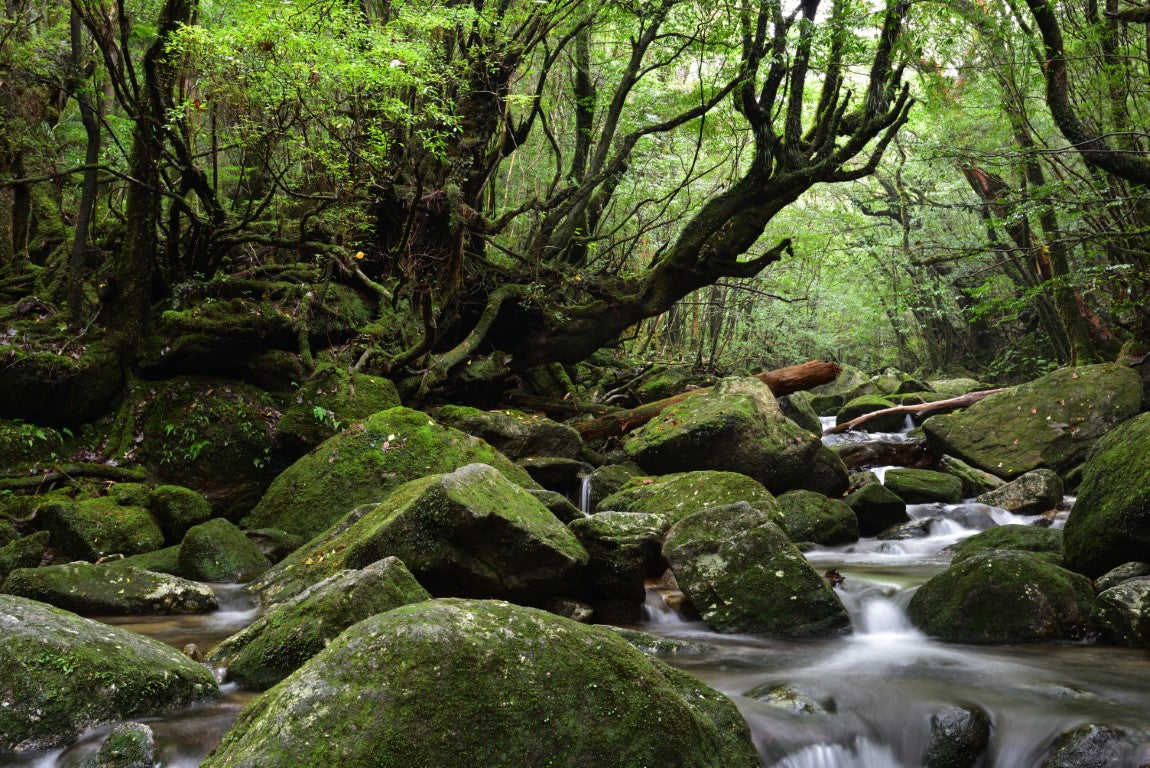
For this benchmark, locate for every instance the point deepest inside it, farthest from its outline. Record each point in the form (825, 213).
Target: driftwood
(908, 453)
(921, 409)
(782, 381)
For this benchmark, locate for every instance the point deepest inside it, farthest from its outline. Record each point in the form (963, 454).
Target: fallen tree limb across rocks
(921, 409)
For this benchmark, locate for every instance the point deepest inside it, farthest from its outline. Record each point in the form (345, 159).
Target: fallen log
(58, 473)
(909, 453)
(782, 381)
(921, 409)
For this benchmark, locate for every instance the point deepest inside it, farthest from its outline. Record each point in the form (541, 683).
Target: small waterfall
(882, 616)
(656, 610)
(585, 495)
(864, 754)
(907, 425)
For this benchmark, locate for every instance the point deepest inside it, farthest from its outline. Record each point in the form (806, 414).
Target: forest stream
(864, 700)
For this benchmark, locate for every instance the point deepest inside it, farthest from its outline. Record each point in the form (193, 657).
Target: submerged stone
(464, 683)
(129, 745)
(1095, 746)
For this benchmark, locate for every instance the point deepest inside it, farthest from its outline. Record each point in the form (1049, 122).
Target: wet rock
(1110, 522)
(92, 528)
(1045, 542)
(1052, 422)
(177, 509)
(923, 486)
(467, 533)
(915, 529)
(860, 406)
(959, 737)
(976, 516)
(1124, 572)
(827, 398)
(26, 552)
(1003, 597)
(657, 645)
(685, 493)
(1028, 494)
(275, 544)
(515, 434)
(797, 407)
(68, 674)
(876, 508)
(219, 551)
(329, 401)
(289, 634)
(743, 575)
(129, 745)
(974, 481)
(1092, 746)
(786, 696)
(166, 560)
(737, 426)
(609, 478)
(558, 504)
(1122, 613)
(624, 548)
(112, 588)
(461, 683)
(810, 516)
(363, 464)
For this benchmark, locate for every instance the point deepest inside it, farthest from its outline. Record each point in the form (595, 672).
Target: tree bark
(921, 409)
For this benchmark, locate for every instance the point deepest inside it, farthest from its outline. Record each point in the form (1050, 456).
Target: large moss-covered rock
(797, 407)
(166, 560)
(923, 486)
(363, 464)
(219, 551)
(860, 406)
(459, 683)
(1052, 422)
(111, 589)
(129, 745)
(1110, 521)
(515, 434)
(810, 516)
(288, 634)
(609, 479)
(1046, 542)
(1003, 597)
(25, 552)
(685, 493)
(955, 387)
(42, 386)
(974, 481)
(91, 528)
(1122, 613)
(876, 508)
(1037, 491)
(743, 575)
(624, 548)
(736, 426)
(331, 400)
(60, 674)
(177, 509)
(467, 533)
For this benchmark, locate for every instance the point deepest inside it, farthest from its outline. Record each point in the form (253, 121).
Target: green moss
(22, 444)
(876, 508)
(516, 434)
(91, 528)
(923, 486)
(219, 551)
(363, 464)
(679, 495)
(112, 588)
(865, 404)
(1002, 596)
(67, 674)
(810, 516)
(130, 494)
(331, 400)
(177, 509)
(1022, 538)
(624, 548)
(129, 745)
(26, 552)
(166, 560)
(457, 684)
(47, 388)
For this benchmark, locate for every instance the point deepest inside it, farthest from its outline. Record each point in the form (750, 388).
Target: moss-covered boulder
(1124, 572)
(959, 738)
(743, 575)
(515, 434)
(166, 560)
(685, 493)
(25, 552)
(1037, 491)
(624, 548)
(288, 634)
(955, 387)
(1110, 521)
(810, 516)
(860, 406)
(363, 464)
(219, 551)
(608, 479)
(876, 508)
(1052, 422)
(797, 407)
(61, 674)
(736, 426)
(275, 544)
(8, 533)
(460, 683)
(1046, 542)
(975, 482)
(329, 401)
(923, 486)
(129, 745)
(91, 528)
(827, 398)
(43, 386)
(1122, 613)
(111, 589)
(667, 382)
(1003, 597)
(23, 444)
(177, 509)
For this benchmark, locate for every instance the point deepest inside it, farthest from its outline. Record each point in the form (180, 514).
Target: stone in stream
(290, 633)
(1003, 596)
(1052, 422)
(738, 427)
(461, 683)
(1044, 542)
(959, 737)
(686, 493)
(810, 516)
(744, 576)
(1095, 746)
(876, 509)
(363, 464)
(1110, 522)
(624, 548)
(467, 533)
(61, 674)
(1030, 494)
(129, 745)
(864, 404)
(219, 551)
(923, 486)
(786, 696)
(974, 481)
(1122, 613)
(111, 589)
